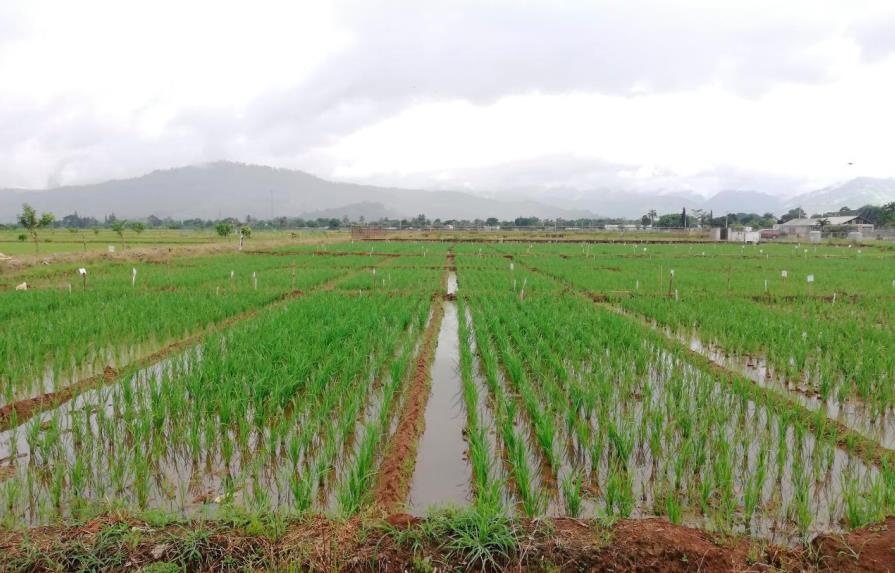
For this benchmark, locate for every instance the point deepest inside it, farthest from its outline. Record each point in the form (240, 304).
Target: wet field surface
(442, 476)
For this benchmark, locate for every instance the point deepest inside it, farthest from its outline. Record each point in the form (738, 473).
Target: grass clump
(474, 538)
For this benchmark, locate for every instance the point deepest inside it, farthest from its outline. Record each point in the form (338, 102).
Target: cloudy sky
(564, 97)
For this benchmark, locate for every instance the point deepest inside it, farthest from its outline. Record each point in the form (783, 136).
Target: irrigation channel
(440, 477)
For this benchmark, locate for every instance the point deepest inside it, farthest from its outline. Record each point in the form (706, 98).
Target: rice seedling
(585, 397)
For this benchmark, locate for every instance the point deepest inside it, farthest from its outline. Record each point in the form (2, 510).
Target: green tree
(118, 227)
(224, 229)
(796, 213)
(32, 223)
(138, 227)
(888, 214)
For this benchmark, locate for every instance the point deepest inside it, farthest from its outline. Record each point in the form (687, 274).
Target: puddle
(442, 474)
(452, 283)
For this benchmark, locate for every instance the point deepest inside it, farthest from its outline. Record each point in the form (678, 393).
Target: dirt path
(160, 253)
(403, 543)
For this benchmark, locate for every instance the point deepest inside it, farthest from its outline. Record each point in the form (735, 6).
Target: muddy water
(442, 474)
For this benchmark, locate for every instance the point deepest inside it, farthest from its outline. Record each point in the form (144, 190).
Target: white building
(801, 227)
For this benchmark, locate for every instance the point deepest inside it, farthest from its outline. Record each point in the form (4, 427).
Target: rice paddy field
(745, 392)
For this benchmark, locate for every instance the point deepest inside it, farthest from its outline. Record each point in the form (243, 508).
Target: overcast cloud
(498, 97)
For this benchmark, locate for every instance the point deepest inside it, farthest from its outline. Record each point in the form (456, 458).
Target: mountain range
(226, 189)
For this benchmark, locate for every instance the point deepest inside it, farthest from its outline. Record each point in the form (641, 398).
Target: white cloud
(575, 95)
(794, 131)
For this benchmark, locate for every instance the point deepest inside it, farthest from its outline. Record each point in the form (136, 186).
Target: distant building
(802, 227)
(745, 235)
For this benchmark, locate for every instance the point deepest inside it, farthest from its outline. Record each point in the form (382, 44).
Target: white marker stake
(766, 285)
(637, 284)
(133, 277)
(255, 280)
(69, 288)
(83, 272)
(511, 266)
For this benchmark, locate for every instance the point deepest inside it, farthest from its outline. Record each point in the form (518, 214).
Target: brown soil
(559, 238)
(404, 543)
(150, 254)
(869, 549)
(396, 468)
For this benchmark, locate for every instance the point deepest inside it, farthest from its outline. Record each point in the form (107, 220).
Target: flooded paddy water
(852, 413)
(442, 474)
(578, 411)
